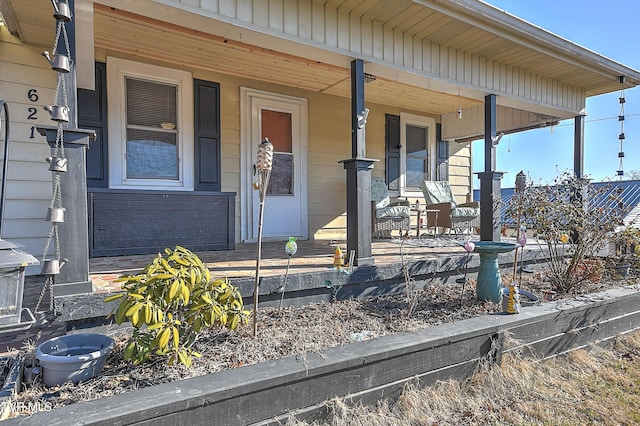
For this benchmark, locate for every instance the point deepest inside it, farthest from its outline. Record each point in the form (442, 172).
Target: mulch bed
(292, 331)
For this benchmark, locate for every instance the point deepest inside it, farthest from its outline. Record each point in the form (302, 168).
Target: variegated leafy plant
(170, 303)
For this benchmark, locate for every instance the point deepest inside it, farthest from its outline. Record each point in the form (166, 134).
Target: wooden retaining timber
(269, 392)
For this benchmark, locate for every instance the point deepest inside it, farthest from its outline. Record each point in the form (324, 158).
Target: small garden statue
(290, 248)
(469, 246)
(338, 258)
(522, 237)
(513, 304)
(522, 242)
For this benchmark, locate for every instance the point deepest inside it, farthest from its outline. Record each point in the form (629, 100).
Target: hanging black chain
(58, 163)
(621, 135)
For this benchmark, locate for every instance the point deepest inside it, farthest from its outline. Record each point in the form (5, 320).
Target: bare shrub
(573, 220)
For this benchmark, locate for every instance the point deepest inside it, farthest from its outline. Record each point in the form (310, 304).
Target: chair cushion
(379, 192)
(465, 212)
(393, 211)
(436, 192)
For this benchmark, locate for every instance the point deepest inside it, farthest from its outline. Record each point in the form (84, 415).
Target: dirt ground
(293, 331)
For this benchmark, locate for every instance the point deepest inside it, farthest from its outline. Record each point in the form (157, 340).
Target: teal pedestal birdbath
(489, 285)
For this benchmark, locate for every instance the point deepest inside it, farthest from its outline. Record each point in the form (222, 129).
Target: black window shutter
(443, 155)
(392, 151)
(92, 114)
(207, 135)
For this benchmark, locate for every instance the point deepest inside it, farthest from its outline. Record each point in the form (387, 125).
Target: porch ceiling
(479, 29)
(474, 28)
(124, 32)
(119, 31)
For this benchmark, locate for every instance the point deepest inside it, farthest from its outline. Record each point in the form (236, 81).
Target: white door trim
(248, 158)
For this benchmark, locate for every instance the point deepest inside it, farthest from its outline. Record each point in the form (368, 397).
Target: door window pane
(151, 148)
(276, 126)
(281, 181)
(417, 157)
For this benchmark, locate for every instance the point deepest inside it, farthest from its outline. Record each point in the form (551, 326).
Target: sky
(610, 28)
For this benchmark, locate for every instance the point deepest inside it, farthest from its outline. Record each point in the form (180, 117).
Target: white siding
(23, 71)
(315, 23)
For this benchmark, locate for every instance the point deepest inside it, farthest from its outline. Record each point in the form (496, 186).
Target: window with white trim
(417, 153)
(150, 126)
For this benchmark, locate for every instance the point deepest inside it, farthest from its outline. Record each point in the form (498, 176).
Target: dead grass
(592, 386)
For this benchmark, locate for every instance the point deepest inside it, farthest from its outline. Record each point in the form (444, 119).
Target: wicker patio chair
(456, 217)
(386, 215)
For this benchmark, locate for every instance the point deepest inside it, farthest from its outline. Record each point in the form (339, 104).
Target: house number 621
(32, 95)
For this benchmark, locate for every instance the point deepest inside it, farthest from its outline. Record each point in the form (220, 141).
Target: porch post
(358, 170)
(70, 77)
(490, 190)
(578, 167)
(578, 146)
(74, 231)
